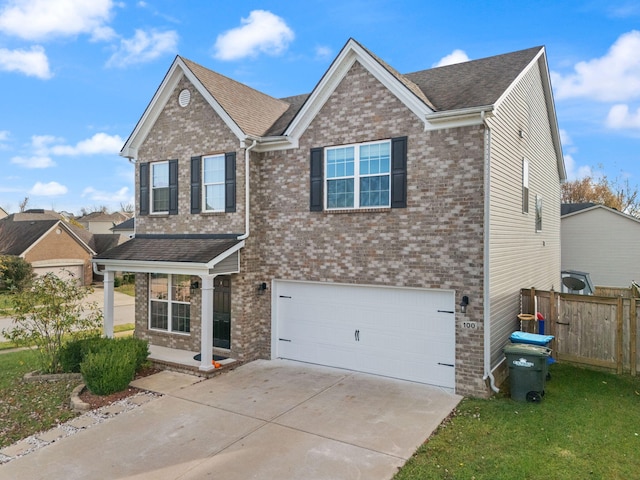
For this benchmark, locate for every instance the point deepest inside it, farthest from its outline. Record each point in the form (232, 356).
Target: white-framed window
(538, 213)
(525, 185)
(160, 187)
(213, 183)
(358, 176)
(169, 302)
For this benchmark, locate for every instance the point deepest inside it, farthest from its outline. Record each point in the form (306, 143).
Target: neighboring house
(100, 222)
(347, 226)
(3, 213)
(602, 242)
(53, 245)
(126, 230)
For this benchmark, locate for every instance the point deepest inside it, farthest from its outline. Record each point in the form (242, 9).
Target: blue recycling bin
(534, 339)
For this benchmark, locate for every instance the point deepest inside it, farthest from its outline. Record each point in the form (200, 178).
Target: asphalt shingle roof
(18, 236)
(253, 111)
(171, 248)
(463, 85)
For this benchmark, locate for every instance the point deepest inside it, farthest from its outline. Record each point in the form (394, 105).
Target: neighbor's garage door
(396, 332)
(65, 272)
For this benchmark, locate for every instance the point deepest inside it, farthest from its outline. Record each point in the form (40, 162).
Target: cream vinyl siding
(520, 257)
(604, 243)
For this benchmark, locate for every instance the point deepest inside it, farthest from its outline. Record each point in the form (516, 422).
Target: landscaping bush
(107, 364)
(108, 371)
(73, 353)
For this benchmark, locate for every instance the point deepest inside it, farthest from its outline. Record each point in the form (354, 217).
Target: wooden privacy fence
(595, 330)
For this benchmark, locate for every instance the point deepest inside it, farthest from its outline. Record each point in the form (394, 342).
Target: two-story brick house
(383, 223)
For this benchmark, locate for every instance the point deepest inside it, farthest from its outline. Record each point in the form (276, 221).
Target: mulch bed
(97, 401)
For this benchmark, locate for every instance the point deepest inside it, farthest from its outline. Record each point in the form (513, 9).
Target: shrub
(15, 273)
(73, 352)
(106, 371)
(107, 364)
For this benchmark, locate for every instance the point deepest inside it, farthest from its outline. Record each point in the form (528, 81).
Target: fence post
(619, 317)
(633, 335)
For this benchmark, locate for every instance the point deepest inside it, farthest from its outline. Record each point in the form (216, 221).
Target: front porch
(183, 361)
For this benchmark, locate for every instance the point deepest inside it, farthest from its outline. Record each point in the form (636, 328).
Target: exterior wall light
(262, 288)
(463, 304)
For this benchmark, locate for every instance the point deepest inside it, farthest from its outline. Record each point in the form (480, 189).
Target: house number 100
(469, 324)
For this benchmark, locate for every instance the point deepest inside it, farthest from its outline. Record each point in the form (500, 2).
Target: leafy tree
(50, 312)
(613, 194)
(15, 273)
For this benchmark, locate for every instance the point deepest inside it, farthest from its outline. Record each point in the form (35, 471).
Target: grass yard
(28, 408)
(587, 426)
(6, 304)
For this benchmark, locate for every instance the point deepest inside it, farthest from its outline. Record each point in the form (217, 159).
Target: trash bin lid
(532, 338)
(526, 349)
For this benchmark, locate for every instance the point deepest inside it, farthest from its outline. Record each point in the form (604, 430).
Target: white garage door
(65, 272)
(396, 332)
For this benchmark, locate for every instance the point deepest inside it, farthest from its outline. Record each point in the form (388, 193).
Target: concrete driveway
(264, 420)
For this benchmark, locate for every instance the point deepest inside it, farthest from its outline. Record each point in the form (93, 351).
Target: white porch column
(206, 330)
(108, 304)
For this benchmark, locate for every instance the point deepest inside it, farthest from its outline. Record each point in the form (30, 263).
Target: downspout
(486, 279)
(246, 189)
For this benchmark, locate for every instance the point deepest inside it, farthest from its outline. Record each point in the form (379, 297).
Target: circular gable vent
(184, 98)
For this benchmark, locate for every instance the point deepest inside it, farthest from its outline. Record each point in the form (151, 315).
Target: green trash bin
(528, 369)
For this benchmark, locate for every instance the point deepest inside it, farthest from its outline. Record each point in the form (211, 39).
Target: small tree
(15, 273)
(50, 312)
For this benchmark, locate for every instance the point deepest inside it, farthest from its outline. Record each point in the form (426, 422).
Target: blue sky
(76, 75)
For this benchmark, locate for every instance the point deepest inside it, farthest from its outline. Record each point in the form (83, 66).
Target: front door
(222, 312)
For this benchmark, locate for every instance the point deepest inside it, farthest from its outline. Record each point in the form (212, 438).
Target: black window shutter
(230, 182)
(144, 189)
(196, 193)
(173, 187)
(399, 172)
(316, 201)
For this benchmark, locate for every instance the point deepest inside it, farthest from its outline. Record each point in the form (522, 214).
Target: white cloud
(144, 47)
(33, 62)
(620, 117)
(48, 189)
(100, 143)
(121, 196)
(323, 52)
(36, 161)
(261, 32)
(457, 56)
(614, 77)
(565, 139)
(42, 19)
(575, 172)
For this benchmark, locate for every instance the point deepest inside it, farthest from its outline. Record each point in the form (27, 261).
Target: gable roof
(475, 83)
(18, 235)
(573, 209)
(253, 111)
(129, 224)
(458, 94)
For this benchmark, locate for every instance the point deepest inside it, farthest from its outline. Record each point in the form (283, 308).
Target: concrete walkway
(264, 420)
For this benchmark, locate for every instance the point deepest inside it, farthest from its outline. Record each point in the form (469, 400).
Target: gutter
(487, 217)
(462, 112)
(246, 188)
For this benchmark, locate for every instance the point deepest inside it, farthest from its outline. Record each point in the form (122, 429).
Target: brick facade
(436, 242)
(59, 246)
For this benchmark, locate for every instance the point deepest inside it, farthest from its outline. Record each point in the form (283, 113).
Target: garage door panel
(402, 333)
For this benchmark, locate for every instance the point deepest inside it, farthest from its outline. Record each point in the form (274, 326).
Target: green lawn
(587, 427)
(6, 304)
(28, 408)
